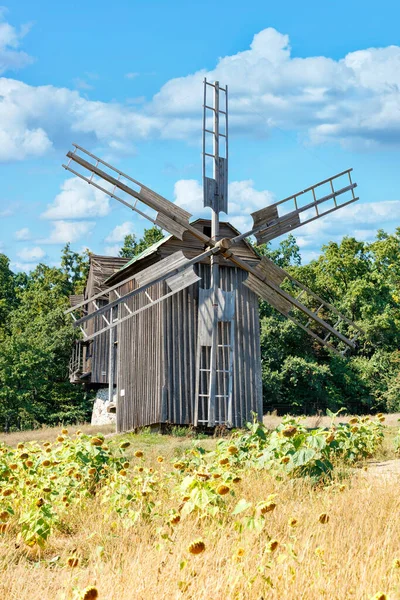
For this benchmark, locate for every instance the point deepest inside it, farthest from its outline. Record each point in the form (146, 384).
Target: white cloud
(23, 234)
(119, 232)
(6, 213)
(31, 255)
(354, 100)
(68, 231)
(359, 220)
(82, 84)
(112, 250)
(10, 57)
(131, 75)
(77, 200)
(243, 200)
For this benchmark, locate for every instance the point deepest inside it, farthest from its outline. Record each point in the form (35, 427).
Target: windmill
(217, 316)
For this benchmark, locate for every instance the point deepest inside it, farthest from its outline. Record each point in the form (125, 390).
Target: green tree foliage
(363, 281)
(76, 267)
(128, 250)
(34, 355)
(36, 340)
(132, 247)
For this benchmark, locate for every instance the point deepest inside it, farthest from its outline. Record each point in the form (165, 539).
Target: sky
(314, 89)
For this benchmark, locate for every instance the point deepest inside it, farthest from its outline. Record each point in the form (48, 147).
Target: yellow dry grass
(352, 556)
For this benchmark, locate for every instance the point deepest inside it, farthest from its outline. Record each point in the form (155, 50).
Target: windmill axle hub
(224, 244)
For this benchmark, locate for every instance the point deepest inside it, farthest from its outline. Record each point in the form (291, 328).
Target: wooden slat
(268, 294)
(182, 280)
(158, 269)
(271, 270)
(165, 222)
(269, 213)
(284, 225)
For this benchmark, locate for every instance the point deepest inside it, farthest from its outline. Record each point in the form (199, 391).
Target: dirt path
(385, 469)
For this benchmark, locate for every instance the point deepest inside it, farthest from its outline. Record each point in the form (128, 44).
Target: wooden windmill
(217, 351)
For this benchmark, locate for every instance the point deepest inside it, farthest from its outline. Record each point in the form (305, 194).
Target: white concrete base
(101, 414)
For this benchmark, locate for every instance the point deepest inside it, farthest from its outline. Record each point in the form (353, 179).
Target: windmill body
(181, 320)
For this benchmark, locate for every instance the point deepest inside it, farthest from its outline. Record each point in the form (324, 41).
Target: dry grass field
(354, 553)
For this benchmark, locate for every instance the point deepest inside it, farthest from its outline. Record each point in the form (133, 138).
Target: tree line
(361, 279)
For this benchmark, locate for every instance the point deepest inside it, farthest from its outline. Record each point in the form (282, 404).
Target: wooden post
(111, 358)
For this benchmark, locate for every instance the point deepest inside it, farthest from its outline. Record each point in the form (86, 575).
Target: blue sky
(314, 89)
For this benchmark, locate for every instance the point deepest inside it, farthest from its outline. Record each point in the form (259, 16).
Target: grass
(350, 557)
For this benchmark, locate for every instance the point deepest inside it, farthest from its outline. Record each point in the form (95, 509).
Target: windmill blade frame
(169, 217)
(268, 224)
(265, 280)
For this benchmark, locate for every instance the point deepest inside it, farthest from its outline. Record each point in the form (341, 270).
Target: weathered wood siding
(97, 354)
(180, 340)
(139, 362)
(157, 355)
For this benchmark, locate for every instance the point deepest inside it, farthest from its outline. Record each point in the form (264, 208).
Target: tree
(8, 297)
(128, 250)
(362, 280)
(150, 237)
(34, 355)
(76, 267)
(132, 248)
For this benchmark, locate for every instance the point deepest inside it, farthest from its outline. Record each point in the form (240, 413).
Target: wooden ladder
(222, 402)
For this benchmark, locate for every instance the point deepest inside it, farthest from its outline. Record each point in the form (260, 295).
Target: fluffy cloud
(6, 213)
(112, 250)
(10, 38)
(31, 255)
(77, 200)
(357, 219)
(69, 231)
(23, 234)
(119, 232)
(351, 100)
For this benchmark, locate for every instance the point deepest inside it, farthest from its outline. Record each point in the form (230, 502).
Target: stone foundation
(103, 411)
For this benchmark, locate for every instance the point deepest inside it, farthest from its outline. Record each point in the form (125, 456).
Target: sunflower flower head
(89, 593)
(222, 490)
(240, 552)
(139, 454)
(289, 431)
(323, 518)
(73, 561)
(96, 441)
(266, 507)
(197, 547)
(174, 520)
(272, 545)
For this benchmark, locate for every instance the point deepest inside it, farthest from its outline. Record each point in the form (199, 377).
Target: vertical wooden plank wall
(180, 335)
(140, 362)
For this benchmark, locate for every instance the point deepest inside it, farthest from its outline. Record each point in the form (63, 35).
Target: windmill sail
(170, 217)
(322, 319)
(304, 207)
